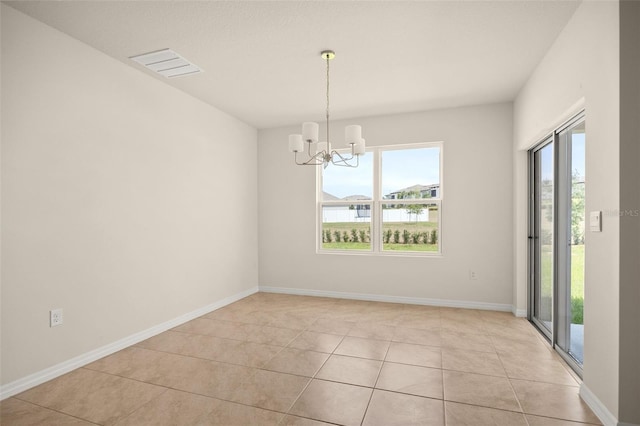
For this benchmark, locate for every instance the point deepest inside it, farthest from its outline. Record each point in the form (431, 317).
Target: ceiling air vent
(166, 62)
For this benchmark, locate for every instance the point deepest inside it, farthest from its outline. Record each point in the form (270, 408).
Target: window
(390, 204)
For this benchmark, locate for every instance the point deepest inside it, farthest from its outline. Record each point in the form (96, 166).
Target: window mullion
(377, 195)
(319, 200)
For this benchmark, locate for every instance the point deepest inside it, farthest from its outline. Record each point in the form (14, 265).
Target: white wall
(582, 68)
(477, 176)
(111, 188)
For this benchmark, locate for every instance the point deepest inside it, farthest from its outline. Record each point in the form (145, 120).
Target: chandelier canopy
(320, 153)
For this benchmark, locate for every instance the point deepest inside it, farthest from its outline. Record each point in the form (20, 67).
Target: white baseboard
(57, 370)
(391, 299)
(598, 407)
(521, 313)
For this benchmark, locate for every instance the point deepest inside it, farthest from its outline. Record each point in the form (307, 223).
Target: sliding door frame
(561, 304)
(534, 236)
(562, 287)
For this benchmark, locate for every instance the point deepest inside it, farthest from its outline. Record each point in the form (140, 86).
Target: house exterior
(362, 212)
(425, 191)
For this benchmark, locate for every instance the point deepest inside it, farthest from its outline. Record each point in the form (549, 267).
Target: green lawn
(410, 247)
(577, 283)
(346, 226)
(410, 226)
(577, 271)
(347, 246)
(387, 247)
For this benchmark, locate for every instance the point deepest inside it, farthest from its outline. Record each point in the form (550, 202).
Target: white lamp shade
(353, 134)
(321, 146)
(359, 148)
(310, 131)
(295, 143)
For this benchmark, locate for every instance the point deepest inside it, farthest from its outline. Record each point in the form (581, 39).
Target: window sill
(430, 255)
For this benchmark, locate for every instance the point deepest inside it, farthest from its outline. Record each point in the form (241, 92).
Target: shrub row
(355, 236)
(406, 237)
(389, 236)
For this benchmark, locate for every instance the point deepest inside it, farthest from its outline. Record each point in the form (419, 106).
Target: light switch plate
(595, 221)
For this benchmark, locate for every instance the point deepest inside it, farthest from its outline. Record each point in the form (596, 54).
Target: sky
(577, 157)
(577, 153)
(400, 169)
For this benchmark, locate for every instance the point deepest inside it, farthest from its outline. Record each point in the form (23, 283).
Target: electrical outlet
(473, 275)
(55, 317)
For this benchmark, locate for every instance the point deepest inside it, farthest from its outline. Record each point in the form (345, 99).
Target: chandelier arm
(312, 161)
(342, 161)
(309, 163)
(340, 164)
(342, 158)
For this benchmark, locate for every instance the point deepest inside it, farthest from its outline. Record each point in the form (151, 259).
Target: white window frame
(376, 205)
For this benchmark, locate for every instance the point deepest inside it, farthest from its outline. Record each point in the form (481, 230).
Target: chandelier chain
(327, 101)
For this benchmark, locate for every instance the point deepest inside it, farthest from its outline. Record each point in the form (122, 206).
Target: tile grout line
(506, 411)
(444, 401)
(312, 378)
(284, 414)
(51, 409)
(444, 404)
(186, 356)
(308, 382)
(364, 415)
(515, 394)
(140, 407)
(188, 391)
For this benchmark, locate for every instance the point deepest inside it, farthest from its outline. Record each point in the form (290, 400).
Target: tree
(416, 209)
(577, 208)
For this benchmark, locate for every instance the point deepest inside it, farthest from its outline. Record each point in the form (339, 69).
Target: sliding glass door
(557, 231)
(570, 330)
(543, 235)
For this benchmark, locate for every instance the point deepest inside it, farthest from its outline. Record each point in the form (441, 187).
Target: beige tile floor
(292, 360)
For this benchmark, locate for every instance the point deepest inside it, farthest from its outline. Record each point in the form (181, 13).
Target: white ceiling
(262, 59)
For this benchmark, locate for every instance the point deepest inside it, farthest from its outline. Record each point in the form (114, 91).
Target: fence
(342, 214)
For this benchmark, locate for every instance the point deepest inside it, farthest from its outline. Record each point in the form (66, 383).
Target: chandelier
(320, 153)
